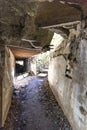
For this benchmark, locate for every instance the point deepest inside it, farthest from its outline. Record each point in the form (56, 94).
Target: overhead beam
(62, 24)
(75, 1)
(20, 52)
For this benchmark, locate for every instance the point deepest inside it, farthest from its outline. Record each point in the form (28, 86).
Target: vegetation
(42, 61)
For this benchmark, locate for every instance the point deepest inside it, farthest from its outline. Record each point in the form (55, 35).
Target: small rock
(24, 122)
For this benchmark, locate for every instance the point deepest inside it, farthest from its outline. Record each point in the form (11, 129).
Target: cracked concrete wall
(69, 85)
(6, 82)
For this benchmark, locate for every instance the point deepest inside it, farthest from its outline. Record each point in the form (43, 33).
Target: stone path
(35, 108)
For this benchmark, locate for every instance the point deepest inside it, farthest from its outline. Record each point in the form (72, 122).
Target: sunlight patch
(56, 41)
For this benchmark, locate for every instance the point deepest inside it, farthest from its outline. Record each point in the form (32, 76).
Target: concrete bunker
(37, 22)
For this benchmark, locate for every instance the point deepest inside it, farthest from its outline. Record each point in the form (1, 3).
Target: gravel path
(34, 107)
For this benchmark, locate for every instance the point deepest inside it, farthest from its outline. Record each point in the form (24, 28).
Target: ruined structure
(36, 21)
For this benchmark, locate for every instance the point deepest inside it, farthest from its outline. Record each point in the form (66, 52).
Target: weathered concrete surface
(7, 83)
(0, 101)
(70, 88)
(2, 66)
(22, 19)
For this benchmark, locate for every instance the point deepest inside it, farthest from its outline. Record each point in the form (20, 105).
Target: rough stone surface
(22, 19)
(69, 85)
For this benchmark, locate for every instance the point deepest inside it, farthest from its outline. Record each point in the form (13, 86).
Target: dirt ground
(34, 107)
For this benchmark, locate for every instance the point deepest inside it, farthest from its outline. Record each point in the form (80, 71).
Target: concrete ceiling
(76, 1)
(24, 18)
(19, 52)
(51, 13)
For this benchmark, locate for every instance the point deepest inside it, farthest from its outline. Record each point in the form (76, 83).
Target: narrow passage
(34, 107)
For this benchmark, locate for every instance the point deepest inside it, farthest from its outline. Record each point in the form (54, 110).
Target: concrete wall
(0, 100)
(69, 85)
(2, 66)
(33, 65)
(6, 83)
